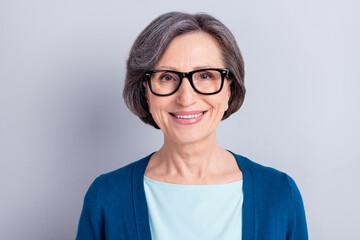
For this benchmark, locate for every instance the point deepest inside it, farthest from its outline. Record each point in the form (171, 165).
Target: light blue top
(178, 212)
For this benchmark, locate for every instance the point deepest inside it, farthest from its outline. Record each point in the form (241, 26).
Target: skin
(191, 154)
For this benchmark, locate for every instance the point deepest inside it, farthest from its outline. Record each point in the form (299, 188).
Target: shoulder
(274, 199)
(267, 180)
(257, 170)
(110, 194)
(117, 183)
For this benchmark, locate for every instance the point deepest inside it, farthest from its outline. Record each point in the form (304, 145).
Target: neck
(190, 161)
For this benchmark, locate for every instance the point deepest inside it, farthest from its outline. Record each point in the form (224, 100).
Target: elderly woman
(185, 74)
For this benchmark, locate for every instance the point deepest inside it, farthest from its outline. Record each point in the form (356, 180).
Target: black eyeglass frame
(224, 73)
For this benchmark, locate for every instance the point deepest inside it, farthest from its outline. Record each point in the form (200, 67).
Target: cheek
(157, 106)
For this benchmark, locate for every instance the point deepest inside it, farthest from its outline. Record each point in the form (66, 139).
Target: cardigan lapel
(248, 208)
(139, 200)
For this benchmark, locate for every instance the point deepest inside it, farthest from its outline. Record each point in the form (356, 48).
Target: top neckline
(197, 186)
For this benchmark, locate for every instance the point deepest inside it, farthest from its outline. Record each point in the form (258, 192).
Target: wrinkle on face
(189, 55)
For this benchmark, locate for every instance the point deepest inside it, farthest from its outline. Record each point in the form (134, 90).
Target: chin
(189, 137)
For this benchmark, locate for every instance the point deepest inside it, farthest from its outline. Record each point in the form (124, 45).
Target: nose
(186, 95)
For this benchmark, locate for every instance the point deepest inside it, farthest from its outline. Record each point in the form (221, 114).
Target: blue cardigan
(115, 205)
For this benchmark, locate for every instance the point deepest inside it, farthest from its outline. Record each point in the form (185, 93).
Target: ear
(229, 87)
(146, 92)
(229, 82)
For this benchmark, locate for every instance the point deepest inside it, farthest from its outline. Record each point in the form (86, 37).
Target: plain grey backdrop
(63, 121)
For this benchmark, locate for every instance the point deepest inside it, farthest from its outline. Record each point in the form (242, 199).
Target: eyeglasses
(204, 81)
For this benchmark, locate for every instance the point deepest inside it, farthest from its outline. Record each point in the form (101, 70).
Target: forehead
(191, 51)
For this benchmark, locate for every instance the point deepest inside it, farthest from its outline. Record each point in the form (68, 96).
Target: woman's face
(187, 116)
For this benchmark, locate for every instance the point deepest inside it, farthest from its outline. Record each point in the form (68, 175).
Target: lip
(188, 121)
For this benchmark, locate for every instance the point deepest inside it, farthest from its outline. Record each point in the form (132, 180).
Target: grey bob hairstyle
(154, 40)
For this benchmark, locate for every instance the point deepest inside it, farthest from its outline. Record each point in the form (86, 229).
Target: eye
(166, 77)
(205, 76)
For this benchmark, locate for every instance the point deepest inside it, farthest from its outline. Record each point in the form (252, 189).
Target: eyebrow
(175, 69)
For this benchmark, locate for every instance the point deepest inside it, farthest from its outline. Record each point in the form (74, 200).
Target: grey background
(63, 121)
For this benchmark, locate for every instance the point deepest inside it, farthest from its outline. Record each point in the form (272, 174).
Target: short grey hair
(152, 42)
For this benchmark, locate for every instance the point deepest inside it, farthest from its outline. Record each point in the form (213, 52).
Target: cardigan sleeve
(297, 225)
(90, 224)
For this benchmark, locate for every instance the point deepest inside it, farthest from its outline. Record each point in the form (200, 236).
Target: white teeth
(189, 116)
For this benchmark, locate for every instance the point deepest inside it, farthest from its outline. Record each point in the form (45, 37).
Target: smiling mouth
(188, 116)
